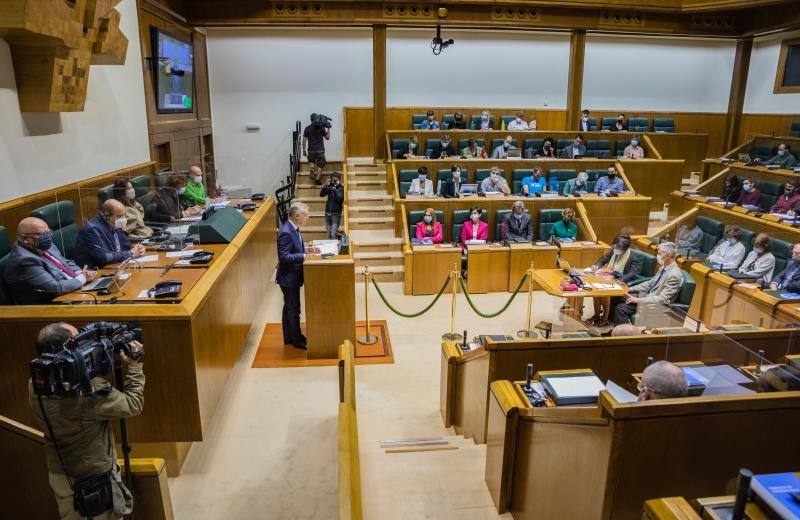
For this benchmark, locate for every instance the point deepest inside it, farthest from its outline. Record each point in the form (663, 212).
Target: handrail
(349, 462)
(625, 180)
(742, 146)
(585, 221)
(646, 139)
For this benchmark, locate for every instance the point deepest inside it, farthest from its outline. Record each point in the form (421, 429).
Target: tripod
(123, 433)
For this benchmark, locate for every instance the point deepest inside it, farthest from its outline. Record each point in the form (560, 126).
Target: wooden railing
(349, 463)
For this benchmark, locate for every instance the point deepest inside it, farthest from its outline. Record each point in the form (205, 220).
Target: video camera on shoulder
(87, 355)
(321, 120)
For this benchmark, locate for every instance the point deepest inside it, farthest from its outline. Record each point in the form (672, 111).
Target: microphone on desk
(528, 376)
(649, 361)
(742, 491)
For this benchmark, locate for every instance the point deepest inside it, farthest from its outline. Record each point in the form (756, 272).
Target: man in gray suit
(661, 289)
(576, 149)
(517, 227)
(36, 271)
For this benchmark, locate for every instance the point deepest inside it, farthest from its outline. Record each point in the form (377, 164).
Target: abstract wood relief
(54, 42)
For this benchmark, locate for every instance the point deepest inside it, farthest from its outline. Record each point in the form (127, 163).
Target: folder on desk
(784, 296)
(573, 388)
(775, 492)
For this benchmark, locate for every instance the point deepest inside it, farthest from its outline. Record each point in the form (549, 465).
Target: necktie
(63, 268)
(655, 282)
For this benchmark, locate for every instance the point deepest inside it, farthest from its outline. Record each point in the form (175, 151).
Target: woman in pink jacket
(474, 228)
(429, 228)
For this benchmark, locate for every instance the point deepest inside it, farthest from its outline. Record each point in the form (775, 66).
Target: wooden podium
(330, 304)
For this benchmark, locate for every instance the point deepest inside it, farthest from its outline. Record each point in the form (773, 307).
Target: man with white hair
(291, 254)
(517, 227)
(661, 289)
(662, 380)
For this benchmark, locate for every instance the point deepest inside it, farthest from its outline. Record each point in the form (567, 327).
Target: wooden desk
(140, 280)
(521, 256)
(164, 261)
(330, 304)
(192, 345)
(431, 266)
(487, 268)
(550, 280)
(582, 253)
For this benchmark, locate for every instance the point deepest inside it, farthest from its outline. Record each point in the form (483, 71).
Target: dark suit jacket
(513, 232)
(165, 206)
(449, 151)
(33, 279)
(631, 269)
(787, 283)
(96, 246)
(449, 190)
(291, 253)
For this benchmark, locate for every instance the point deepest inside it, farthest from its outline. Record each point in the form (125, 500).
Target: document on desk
(475, 242)
(326, 247)
(620, 394)
(577, 389)
(178, 230)
(607, 286)
(147, 258)
(193, 218)
(183, 254)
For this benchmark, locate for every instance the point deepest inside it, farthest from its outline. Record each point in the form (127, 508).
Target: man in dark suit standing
(291, 254)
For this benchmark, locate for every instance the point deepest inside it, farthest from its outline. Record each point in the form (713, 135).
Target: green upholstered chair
(607, 122)
(429, 144)
(5, 248)
(483, 173)
(596, 174)
(499, 142)
(561, 144)
(160, 179)
(403, 188)
(475, 122)
(794, 129)
(638, 124)
(770, 192)
(782, 250)
(563, 175)
(414, 217)
(141, 184)
(684, 300)
(60, 217)
(663, 124)
(105, 193)
(459, 217)
(500, 217)
(398, 146)
(712, 232)
(592, 124)
(599, 148)
(447, 120)
(620, 147)
(763, 151)
(547, 217)
(407, 175)
(649, 266)
(462, 143)
(506, 120)
(532, 144)
(417, 119)
(747, 239)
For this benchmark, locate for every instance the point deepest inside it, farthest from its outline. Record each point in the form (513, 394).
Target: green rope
(502, 309)
(413, 314)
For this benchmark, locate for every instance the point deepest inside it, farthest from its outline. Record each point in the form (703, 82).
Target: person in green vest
(195, 194)
(784, 157)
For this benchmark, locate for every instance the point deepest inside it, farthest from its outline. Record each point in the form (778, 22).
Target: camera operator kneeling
(81, 457)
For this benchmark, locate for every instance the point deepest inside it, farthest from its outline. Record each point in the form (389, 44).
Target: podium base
(527, 334)
(451, 337)
(368, 339)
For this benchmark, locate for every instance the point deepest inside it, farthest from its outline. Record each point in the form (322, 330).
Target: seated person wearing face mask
(473, 151)
(633, 150)
(486, 121)
(430, 122)
(102, 240)
(729, 252)
(36, 272)
(474, 228)
(443, 148)
(611, 183)
(579, 184)
(662, 380)
(784, 158)
(760, 262)
(619, 125)
(517, 227)
(548, 148)
(166, 204)
(501, 152)
(134, 212)
(689, 236)
(566, 227)
(661, 289)
(576, 149)
(788, 201)
(195, 194)
(459, 122)
(413, 148)
(789, 278)
(452, 186)
(750, 196)
(536, 184)
(494, 183)
(518, 123)
(623, 266)
(584, 122)
(428, 228)
(421, 185)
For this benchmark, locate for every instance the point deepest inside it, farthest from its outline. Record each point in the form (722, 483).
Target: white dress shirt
(730, 256)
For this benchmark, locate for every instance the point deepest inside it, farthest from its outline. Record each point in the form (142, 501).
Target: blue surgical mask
(427, 219)
(781, 153)
(45, 241)
(413, 146)
(181, 190)
(634, 142)
(758, 250)
(506, 145)
(731, 240)
(746, 187)
(423, 177)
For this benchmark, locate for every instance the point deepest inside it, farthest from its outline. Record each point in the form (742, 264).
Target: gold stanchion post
(452, 336)
(367, 339)
(528, 333)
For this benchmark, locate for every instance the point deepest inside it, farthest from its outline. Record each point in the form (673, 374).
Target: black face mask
(612, 176)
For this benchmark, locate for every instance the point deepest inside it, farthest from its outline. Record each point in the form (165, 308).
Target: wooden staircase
(307, 192)
(371, 217)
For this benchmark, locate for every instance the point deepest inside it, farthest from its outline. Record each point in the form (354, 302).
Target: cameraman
(82, 429)
(314, 137)
(333, 208)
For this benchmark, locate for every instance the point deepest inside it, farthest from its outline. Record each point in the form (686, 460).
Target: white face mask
(181, 190)
(618, 251)
(131, 193)
(494, 177)
(731, 240)
(660, 260)
(475, 218)
(120, 223)
(198, 179)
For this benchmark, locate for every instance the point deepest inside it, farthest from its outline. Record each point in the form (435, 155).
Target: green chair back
(459, 217)
(599, 148)
(475, 122)
(398, 145)
(60, 217)
(417, 119)
(794, 129)
(663, 124)
(712, 232)
(763, 151)
(596, 174)
(770, 192)
(483, 173)
(160, 179)
(532, 144)
(684, 299)
(607, 122)
(415, 217)
(547, 217)
(141, 184)
(782, 250)
(638, 124)
(403, 187)
(407, 175)
(105, 193)
(520, 173)
(620, 147)
(747, 239)
(429, 144)
(462, 143)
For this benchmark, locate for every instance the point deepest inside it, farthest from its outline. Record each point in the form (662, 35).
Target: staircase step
(372, 223)
(367, 185)
(378, 246)
(384, 273)
(335, 166)
(363, 198)
(314, 203)
(379, 258)
(357, 210)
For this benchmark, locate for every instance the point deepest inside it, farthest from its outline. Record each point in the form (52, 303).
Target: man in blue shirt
(430, 122)
(611, 183)
(535, 184)
(103, 241)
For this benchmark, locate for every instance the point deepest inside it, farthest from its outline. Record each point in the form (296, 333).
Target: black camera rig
(321, 120)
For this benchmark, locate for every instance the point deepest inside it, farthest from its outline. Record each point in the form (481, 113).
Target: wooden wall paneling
(202, 94)
(655, 179)
(769, 124)
(379, 91)
(577, 51)
(741, 68)
(360, 127)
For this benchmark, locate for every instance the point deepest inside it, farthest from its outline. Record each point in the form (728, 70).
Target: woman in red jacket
(429, 228)
(474, 228)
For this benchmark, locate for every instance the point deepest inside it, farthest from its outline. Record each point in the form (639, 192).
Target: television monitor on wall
(172, 71)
